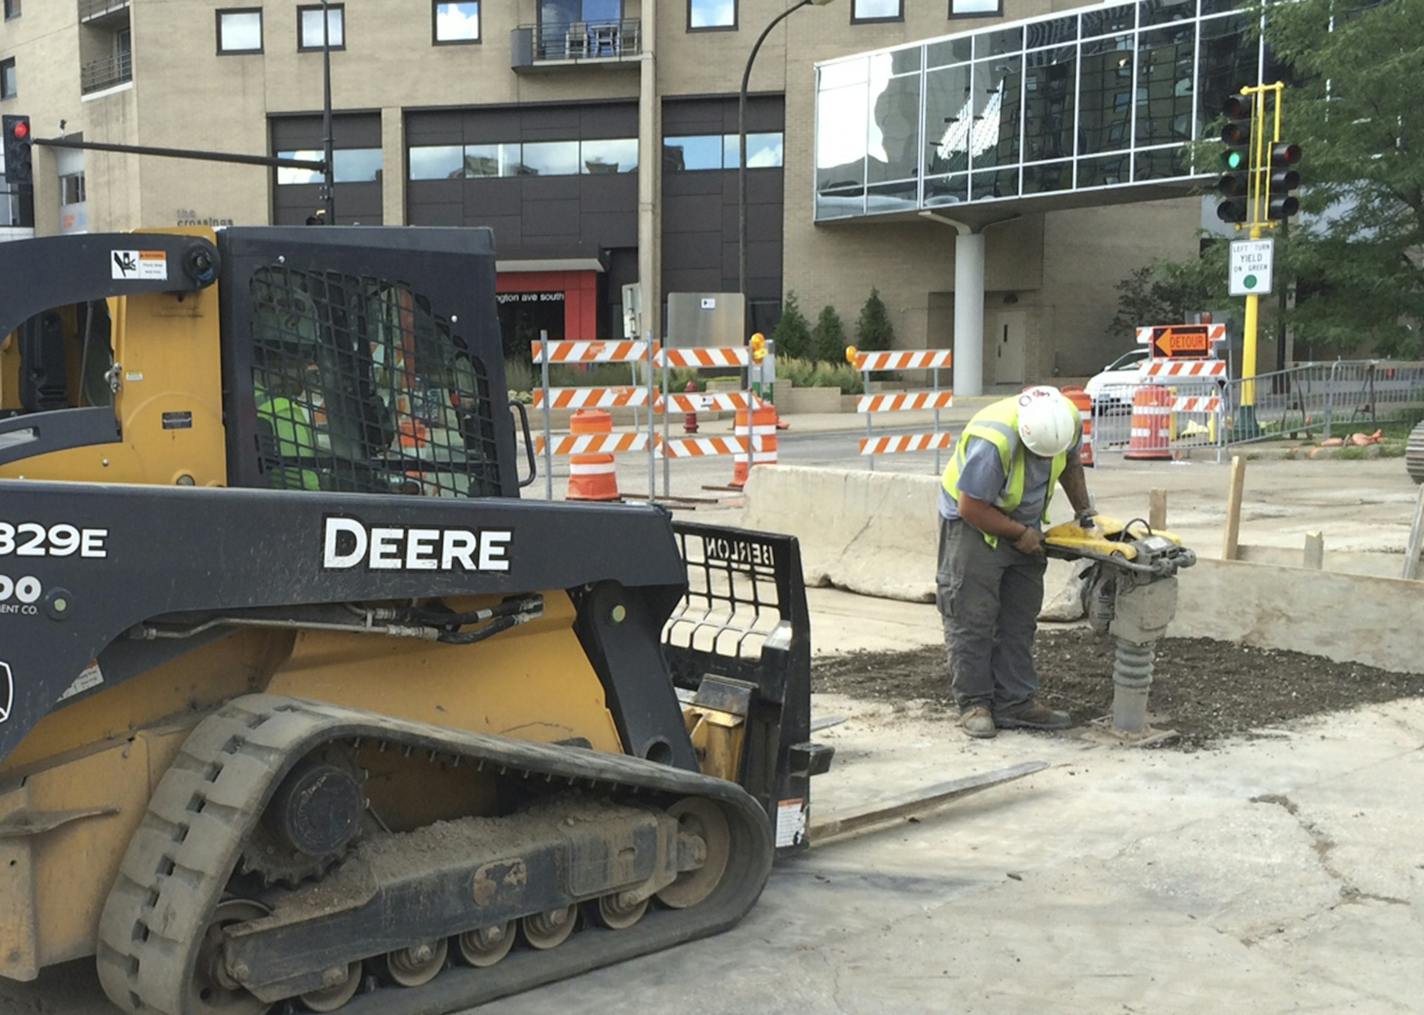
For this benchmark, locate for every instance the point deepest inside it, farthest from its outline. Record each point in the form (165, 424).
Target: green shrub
(837, 375)
(873, 330)
(828, 340)
(792, 333)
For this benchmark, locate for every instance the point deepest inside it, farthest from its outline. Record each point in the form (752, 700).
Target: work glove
(1031, 542)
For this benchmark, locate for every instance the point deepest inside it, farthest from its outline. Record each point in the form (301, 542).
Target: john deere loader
(301, 707)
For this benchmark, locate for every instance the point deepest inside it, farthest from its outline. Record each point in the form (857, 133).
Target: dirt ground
(1205, 690)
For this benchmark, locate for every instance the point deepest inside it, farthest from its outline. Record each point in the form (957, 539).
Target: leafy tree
(873, 330)
(1166, 292)
(828, 340)
(792, 334)
(1352, 260)
(1353, 105)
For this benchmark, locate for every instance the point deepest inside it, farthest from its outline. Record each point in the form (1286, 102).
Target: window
(240, 30)
(12, 9)
(436, 162)
(877, 10)
(9, 87)
(349, 165)
(534, 158)
(457, 23)
(484, 161)
(705, 14)
(310, 27)
(976, 8)
(763, 151)
(697, 152)
(620, 156)
(550, 158)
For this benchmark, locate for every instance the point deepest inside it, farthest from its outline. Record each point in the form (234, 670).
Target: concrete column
(393, 163)
(969, 313)
(649, 174)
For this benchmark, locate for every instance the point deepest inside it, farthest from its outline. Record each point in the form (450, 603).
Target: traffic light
(1234, 184)
(1284, 179)
(17, 149)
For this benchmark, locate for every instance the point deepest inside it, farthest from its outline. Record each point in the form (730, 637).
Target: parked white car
(1121, 373)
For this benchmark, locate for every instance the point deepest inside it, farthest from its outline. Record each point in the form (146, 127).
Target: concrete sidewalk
(1266, 876)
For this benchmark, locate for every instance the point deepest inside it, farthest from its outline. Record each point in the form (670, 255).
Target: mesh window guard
(361, 388)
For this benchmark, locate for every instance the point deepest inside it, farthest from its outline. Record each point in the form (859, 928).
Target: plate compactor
(301, 707)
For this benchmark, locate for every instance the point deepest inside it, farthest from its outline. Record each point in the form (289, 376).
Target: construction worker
(989, 584)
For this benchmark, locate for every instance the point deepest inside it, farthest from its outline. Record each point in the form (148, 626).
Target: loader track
(177, 870)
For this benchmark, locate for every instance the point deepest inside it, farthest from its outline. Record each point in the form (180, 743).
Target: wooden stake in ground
(1230, 548)
(1157, 510)
(1315, 550)
(1413, 566)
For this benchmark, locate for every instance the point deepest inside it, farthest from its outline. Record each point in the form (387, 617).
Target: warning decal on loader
(7, 691)
(139, 264)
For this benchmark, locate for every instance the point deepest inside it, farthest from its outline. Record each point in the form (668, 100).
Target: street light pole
(742, 158)
(328, 195)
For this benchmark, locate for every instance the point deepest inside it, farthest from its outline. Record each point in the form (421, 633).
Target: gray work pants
(989, 598)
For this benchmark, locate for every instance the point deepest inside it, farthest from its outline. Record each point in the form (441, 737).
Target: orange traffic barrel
(1084, 403)
(592, 477)
(1151, 424)
(759, 431)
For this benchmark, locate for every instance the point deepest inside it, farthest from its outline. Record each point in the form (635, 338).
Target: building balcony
(96, 75)
(99, 12)
(580, 43)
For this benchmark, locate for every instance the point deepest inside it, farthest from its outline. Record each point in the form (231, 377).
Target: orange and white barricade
(592, 444)
(592, 398)
(741, 444)
(934, 399)
(756, 430)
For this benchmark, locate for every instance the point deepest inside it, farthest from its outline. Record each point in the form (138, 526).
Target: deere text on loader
(301, 707)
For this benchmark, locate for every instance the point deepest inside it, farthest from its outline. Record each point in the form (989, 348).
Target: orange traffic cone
(1151, 424)
(760, 434)
(1084, 403)
(592, 477)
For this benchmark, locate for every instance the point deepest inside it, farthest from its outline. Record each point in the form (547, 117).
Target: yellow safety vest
(295, 439)
(998, 423)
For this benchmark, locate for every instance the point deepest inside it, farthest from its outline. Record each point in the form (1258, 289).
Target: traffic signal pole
(1268, 203)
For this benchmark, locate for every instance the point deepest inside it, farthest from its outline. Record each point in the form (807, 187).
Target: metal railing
(1307, 401)
(90, 9)
(578, 41)
(97, 75)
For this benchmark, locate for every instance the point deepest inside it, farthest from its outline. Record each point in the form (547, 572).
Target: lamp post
(742, 157)
(328, 188)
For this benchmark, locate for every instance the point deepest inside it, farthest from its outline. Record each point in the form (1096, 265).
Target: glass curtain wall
(1108, 96)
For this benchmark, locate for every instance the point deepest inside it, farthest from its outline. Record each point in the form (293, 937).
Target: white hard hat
(1048, 422)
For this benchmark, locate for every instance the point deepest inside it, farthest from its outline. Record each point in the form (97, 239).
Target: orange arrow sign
(1183, 341)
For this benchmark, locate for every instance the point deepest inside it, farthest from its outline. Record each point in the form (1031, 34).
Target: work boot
(978, 721)
(1030, 715)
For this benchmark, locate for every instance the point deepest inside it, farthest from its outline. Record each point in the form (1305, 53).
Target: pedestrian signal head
(1048, 422)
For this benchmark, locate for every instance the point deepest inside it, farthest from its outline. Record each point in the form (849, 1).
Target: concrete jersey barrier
(876, 534)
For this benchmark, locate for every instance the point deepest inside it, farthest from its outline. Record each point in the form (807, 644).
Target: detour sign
(1181, 341)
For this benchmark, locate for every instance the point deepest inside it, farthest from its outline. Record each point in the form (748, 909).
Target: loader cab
(346, 360)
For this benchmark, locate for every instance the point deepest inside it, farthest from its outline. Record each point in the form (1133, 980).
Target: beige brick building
(597, 137)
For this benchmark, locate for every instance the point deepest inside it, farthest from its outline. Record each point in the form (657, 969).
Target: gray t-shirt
(983, 478)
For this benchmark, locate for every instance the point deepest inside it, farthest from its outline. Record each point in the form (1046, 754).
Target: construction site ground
(1272, 866)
